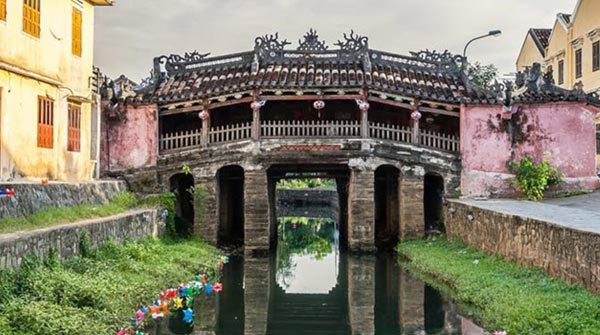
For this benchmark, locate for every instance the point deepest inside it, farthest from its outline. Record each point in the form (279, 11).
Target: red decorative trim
(310, 147)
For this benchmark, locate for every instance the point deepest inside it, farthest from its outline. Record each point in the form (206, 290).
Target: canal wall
(33, 197)
(65, 239)
(570, 253)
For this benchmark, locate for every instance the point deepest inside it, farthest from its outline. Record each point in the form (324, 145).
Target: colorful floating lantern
(7, 192)
(416, 115)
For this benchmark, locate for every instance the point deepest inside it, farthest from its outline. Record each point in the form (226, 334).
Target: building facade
(46, 97)
(572, 51)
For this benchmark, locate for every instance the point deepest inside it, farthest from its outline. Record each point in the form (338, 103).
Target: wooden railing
(390, 132)
(439, 141)
(181, 140)
(309, 129)
(230, 133)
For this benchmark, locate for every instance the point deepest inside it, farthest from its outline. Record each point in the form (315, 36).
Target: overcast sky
(133, 32)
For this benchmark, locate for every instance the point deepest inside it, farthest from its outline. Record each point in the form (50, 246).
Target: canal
(310, 285)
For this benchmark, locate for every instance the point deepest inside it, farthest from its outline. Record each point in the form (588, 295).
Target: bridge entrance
(387, 215)
(230, 206)
(181, 185)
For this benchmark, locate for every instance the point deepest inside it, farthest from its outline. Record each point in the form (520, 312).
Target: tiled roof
(431, 76)
(565, 17)
(426, 74)
(541, 38)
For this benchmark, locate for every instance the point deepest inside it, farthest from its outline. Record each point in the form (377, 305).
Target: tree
(482, 75)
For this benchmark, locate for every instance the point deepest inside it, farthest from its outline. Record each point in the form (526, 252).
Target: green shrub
(533, 179)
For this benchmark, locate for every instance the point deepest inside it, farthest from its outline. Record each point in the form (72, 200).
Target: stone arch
(433, 201)
(181, 184)
(387, 209)
(230, 208)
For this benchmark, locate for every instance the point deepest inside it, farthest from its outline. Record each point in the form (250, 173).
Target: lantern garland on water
(7, 192)
(180, 299)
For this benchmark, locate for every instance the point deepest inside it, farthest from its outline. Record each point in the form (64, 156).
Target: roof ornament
(174, 63)
(353, 44)
(269, 46)
(434, 56)
(311, 42)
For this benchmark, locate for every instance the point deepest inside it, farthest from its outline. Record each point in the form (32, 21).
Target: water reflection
(311, 286)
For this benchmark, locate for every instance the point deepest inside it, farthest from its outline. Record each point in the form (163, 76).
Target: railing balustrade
(230, 133)
(308, 129)
(390, 132)
(180, 140)
(439, 141)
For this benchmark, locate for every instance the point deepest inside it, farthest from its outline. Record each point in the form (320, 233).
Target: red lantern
(416, 115)
(204, 115)
(319, 104)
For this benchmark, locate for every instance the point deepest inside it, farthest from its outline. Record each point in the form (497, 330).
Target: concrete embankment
(557, 236)
(33, 197)
(65, 239)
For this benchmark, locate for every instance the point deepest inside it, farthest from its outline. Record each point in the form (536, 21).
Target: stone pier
(411, 304)
(361, 216)
(256, 295)
(412, 211)
(206, 219)
(257, 233)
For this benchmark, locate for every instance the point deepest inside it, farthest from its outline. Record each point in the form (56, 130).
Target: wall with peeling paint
(562, 133)
(129, 137)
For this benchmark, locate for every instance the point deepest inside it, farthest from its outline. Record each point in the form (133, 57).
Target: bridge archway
(387, 215)
(433, 202)
(230, 199)
(181, 185)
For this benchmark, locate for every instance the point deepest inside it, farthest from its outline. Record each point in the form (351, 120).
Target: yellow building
(46, 113)
(572, 50)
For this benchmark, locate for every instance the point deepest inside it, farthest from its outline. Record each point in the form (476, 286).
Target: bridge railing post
(255, 106)
(204, 136)
(416, 132)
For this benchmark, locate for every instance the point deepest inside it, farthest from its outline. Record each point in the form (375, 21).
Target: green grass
(121, 203)
(504, 295)
(96, 294)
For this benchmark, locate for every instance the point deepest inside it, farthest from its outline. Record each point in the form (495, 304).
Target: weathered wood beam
(188, 109)
(391, 102)
(438, 111)
(310, 97)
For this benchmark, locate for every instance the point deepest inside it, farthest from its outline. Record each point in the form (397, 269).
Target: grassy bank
(121, 203)
(95, 293)
(506, 296)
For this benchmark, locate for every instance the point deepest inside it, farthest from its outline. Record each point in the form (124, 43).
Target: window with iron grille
(596, 56)
(45, 122)
(31, 17)
(561, 72)
(2, 10)
(74, 132)
(578, 64)
(76, 32)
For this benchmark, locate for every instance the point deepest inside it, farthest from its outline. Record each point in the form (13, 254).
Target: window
(578, 65)
(3, 10)
(596, 56)
(561, 72)
(31, 17)
(45, 122)
(74, 133)
(76, 32)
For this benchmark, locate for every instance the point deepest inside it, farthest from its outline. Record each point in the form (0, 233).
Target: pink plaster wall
(562, 133)
(131, 142)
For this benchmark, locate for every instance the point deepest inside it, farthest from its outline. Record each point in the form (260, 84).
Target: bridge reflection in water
(311, 286)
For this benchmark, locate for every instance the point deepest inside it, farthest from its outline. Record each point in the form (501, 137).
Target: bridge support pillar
(361, 216)
(361, 295)
(257, 232)
(412, 215)
(411, 304)
(206, 219)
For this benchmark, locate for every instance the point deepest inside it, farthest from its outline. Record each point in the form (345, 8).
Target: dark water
(310, 286)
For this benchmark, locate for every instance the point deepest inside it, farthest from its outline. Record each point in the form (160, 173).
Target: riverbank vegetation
(504, 295)
(98, 291)
(121, 203)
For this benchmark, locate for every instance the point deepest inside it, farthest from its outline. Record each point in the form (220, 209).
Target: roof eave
(102, 2)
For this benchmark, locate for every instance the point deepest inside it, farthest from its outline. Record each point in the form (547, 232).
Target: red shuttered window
(74, 132)
(45, 122)
(31, 17)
